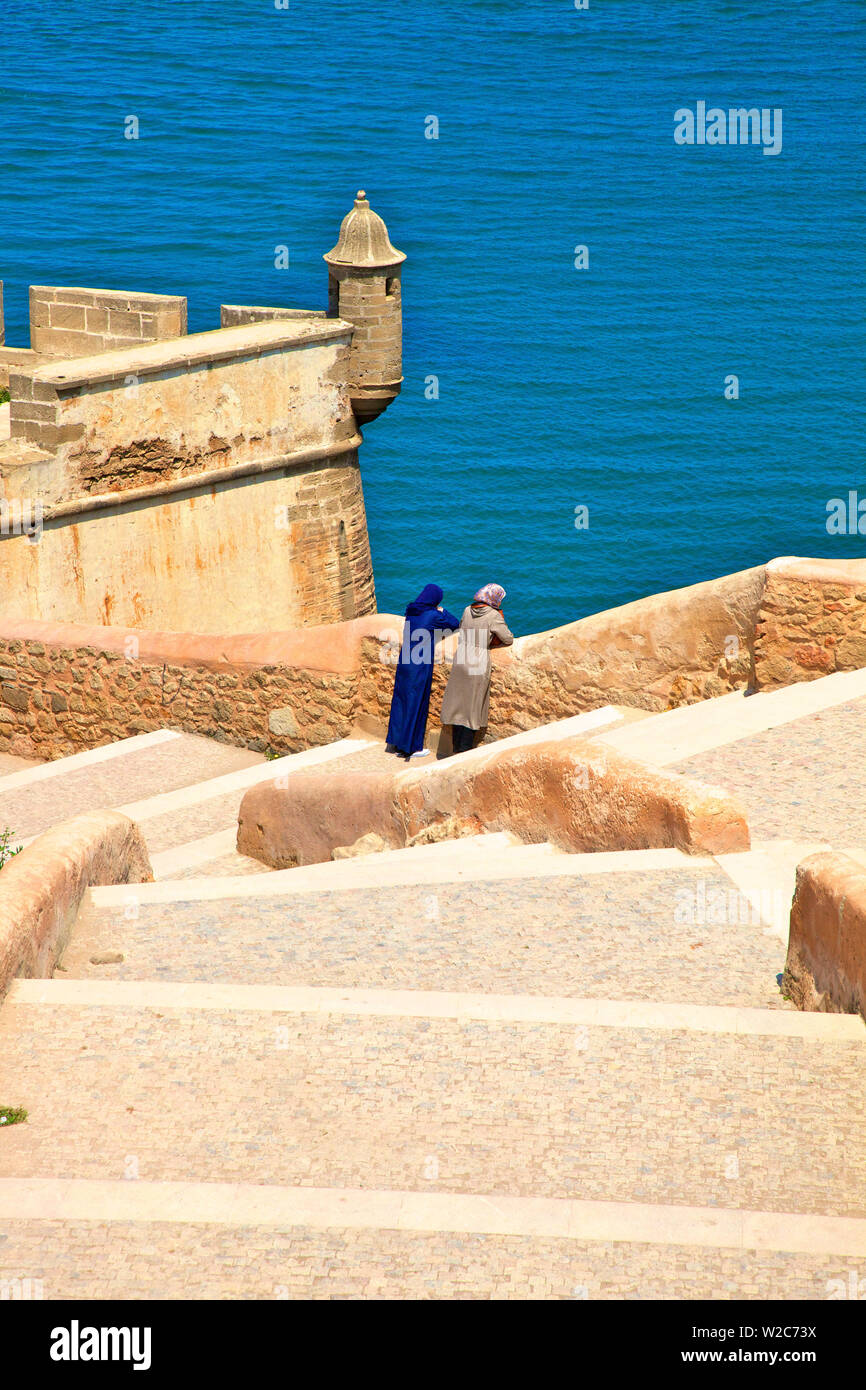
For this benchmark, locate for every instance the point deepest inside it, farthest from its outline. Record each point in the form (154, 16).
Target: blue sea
(558, 388)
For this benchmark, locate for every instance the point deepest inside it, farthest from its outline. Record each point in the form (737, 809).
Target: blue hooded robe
(413, 680)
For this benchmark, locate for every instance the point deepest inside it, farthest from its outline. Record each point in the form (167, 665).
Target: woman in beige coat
(466, 702)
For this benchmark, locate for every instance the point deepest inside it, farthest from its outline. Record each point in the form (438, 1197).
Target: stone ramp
(715, 1151)
(35, 799)
(629, 932)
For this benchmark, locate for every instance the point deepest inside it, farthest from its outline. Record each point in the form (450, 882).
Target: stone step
(194, 1241)
(197, 858)
(735, 1110)
(274, 1143)
(191, 812)
(33, 800)
(675, 735)
(214, 855)
(10, 764)
(483, 858)
(641, 925)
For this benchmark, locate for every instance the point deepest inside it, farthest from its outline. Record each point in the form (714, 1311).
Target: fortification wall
(69, 321)
(65, 687)
(188, 485)
(233, 315)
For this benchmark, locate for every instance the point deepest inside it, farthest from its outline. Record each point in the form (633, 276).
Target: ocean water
(558, 388)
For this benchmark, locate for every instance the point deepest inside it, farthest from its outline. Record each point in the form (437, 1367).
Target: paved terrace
(469, 1070)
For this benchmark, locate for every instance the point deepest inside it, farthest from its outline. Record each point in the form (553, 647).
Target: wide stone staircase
(469, 1069)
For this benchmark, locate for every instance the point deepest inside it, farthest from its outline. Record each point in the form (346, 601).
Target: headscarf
(492, 594)
(429, 597)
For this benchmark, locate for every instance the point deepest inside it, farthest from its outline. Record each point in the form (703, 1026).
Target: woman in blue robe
(413, 680)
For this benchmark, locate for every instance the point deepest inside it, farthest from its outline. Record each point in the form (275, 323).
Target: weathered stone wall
(370, 298)
(64, 687)
(13, 359)
(826, 966)
(210, 484)
(41, 888)
(812, 621)
(56, 700)
(578, 795)
(233, 315)
(67, 321)
(656, 653)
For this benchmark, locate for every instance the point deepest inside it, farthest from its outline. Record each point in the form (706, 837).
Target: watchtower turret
(364, 288)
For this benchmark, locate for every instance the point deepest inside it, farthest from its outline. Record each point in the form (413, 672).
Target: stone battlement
(205, 482)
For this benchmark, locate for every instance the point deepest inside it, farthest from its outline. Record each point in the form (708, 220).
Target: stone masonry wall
(75, 322)
(289, 690)
(524, 695)
(372, 302)
(812, 621)
(655, 653)
(255, 420)
(34, 409)
(60, 700)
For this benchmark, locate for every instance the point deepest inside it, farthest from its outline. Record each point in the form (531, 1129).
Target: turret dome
(363, 239)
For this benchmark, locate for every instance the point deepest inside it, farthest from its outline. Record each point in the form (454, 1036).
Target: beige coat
(467, 695)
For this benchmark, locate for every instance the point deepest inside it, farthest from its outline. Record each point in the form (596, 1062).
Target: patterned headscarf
(492, 594)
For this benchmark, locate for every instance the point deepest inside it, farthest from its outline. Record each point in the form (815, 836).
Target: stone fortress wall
(206, 482)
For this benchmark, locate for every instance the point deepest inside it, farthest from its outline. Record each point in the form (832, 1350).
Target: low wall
(576, 794)
(812, 620)
(13, 360)
(41, 888)
(71, 321)
(657, 652)
(826, 966)
(65, 688)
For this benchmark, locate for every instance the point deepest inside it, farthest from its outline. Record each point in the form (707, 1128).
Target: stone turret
(364, 288)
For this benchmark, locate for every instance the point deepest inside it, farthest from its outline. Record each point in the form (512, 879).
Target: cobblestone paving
(158, 768)
(340, 1101)
(640, 1115)
(603, 936)
(231, 865)
(192, 822)
(805, 780)
(90, 1259)
(8, 764)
